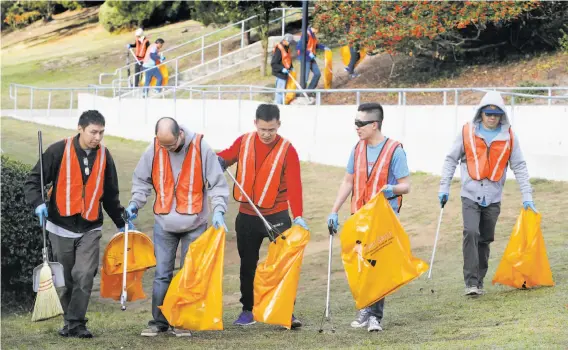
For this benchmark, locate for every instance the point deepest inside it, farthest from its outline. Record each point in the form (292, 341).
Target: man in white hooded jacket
(484, 147)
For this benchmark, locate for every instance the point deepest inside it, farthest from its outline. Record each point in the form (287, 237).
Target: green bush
(22, 239)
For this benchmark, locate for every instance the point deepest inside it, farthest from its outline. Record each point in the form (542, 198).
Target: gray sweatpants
(478, 232)
(80, 260)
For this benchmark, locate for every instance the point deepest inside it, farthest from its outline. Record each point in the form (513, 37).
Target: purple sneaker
(245, 319)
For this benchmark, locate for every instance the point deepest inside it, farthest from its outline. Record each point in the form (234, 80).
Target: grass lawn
(414, 317)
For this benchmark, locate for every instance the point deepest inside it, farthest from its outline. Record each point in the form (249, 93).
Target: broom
(47, 304)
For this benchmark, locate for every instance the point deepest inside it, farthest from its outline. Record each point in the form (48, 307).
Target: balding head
(168, 133)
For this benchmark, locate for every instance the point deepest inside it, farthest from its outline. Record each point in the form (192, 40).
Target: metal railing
(200, 52)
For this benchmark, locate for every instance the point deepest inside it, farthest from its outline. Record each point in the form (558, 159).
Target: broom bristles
(47, 304)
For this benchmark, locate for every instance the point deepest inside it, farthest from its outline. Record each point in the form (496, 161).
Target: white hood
(492, 98)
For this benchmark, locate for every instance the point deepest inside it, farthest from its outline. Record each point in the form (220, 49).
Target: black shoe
(64, 332)
(80, 332)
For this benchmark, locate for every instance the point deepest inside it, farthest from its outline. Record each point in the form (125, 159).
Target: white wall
(326, 134)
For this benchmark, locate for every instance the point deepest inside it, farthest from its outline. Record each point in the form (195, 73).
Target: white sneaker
(471, 290)
(362, 319)
(374, 324)
(178, 332)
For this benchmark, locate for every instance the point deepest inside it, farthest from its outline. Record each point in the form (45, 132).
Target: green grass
(414, 317)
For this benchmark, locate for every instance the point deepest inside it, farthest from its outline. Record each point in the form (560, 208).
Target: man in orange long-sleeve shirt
(269, 171)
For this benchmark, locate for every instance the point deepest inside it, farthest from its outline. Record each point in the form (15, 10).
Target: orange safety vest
(150, 48)
(365, 186)
(286, 58)
(72, 197)
(140, 50)
(262, 188)
(485, 162)
(312, 43)
(189, 189)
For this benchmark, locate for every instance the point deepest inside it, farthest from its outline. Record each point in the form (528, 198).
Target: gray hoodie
(216, 186)
(477, 190)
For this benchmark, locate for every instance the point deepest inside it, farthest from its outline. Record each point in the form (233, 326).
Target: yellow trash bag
(276, 279)
(328, 70)
(376, 253)
(346, 55)
(524, 263)
(290, 85)
(165, 76)
(194, 299)
(140, 257)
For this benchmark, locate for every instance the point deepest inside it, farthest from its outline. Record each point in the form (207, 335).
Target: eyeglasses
(362, 123)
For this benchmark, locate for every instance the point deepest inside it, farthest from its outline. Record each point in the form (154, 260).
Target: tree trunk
(264, 38)
(247, 34)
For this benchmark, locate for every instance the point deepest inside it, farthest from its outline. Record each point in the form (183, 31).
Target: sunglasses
(361, 123)
(493, 115)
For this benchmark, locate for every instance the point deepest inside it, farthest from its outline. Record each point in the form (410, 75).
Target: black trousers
(250, 234)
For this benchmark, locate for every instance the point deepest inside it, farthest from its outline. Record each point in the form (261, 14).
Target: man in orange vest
(281, 64)
(141, 44)
(269, 171)
(376, 164)
(311, 64)
(84, 180)
(183, 171)
(484, 147)
(152, 59)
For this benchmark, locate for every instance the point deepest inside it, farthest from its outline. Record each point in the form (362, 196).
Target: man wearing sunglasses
(376, 164)
(484, 148)
(85, 182)
(183, 171)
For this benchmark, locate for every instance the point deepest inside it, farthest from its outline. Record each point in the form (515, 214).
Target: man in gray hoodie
(183, 170)
(484, 147)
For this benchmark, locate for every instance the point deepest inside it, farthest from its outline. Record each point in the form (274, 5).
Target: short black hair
(160, 41)
(175, 126)
(91, 117)
(375, 110)
(268, 112)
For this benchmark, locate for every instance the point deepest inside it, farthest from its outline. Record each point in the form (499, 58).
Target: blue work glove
(219, 220)
(128, 46)
(326, 48)
(388, 190)
(526, 205)
(130, 227)
(162, 58)
(131, 211)
(312, 56)
(301, 222)
(41, 212)
(222, 163)
(284, 70)
(333, 221)
(444, 197)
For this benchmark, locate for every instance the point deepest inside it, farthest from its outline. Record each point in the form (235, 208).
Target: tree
(436, 29)
(116, 14)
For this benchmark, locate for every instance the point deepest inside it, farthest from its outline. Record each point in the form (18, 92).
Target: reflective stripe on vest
(189, 189)
(261, 187)
(71, 196)
(140, 50)
(486, 162)
(365, 186)
(286, 58)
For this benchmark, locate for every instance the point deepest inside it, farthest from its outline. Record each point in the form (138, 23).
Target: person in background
(151, 60)
(140, 46)
(281, 64)
(311, 49)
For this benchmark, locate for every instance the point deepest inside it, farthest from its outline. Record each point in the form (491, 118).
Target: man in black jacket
(281, 64)
(83, 176)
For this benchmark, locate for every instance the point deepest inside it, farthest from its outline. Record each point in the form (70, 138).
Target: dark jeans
(377, 309)
(165, 248)
(80, 260)
(353, 60)
(250, 234)
(314, 68)
(137, 74)
(478, 232)
(150, 73)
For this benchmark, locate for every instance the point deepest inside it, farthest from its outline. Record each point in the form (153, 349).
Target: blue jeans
(353, 60)
(150, 73)
(312, 66)
(165, 248)
(279, 96)
(377, 309)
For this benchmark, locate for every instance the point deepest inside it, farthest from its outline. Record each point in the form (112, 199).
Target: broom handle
(124, 294)
(327, 299)
(299, 87)
(40, 150)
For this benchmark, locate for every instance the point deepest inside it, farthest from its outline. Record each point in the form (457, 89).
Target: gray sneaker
(471, 290)
(374, 324)
(362, 319)
(178, 332)
(152, 331)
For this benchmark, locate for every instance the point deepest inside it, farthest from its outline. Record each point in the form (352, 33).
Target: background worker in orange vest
(141, 44)
(83, 175)
(484, 147)
(263, 155)
(151, 60)
(281, 64)
(376, 164)
(311, 64)
(183, 170)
